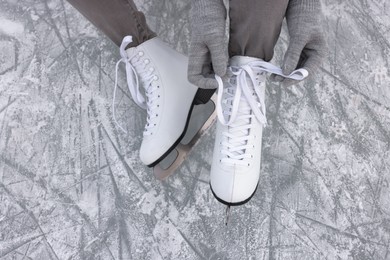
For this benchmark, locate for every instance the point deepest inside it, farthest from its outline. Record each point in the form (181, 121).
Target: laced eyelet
(155, 78)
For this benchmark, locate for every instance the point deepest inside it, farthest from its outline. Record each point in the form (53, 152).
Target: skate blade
(173, 161)
(227, 215)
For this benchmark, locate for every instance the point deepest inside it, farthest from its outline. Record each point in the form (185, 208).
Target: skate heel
(189, 141)
(203, 96)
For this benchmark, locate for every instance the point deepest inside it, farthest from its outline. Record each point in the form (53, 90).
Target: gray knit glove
(208, 54)
(307, 45)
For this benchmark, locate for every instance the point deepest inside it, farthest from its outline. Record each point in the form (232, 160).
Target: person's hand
(307, 45)
(208, 54)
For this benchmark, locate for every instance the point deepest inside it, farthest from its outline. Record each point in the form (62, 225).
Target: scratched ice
(72, 187)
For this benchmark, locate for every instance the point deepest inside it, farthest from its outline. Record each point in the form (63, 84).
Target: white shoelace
(243, 105)
(135, 72)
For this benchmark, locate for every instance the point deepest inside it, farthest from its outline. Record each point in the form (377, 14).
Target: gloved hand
(307, 45)
(208, 54)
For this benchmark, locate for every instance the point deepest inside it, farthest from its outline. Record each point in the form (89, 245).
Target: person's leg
(116, 19)
(255, 26)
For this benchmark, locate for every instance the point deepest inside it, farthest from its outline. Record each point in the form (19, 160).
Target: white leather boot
(235, 168)
(169, 98)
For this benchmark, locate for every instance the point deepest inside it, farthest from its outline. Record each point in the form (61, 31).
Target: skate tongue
(239, 130)
(131, 52)
(245, 69)
(235, 112)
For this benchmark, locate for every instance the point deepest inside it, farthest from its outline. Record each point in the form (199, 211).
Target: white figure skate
(235, 169)
(168, 96)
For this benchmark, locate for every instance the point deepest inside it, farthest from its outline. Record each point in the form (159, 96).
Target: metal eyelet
(146, 61)
(140, 53)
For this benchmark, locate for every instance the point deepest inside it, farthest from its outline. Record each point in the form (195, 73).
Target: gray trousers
(254, 24)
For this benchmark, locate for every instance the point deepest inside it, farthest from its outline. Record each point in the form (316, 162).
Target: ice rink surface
(72, 187)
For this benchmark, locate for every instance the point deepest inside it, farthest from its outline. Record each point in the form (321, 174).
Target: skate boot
(235, 168)
(166, 95)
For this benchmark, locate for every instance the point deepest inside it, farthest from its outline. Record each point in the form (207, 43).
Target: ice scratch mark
(32, 216)
(7, 247)
(354, 90)
(53, 25)
(193, 247)
(129, 171)
(10, 102)
(64, 200)
(337, 230)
